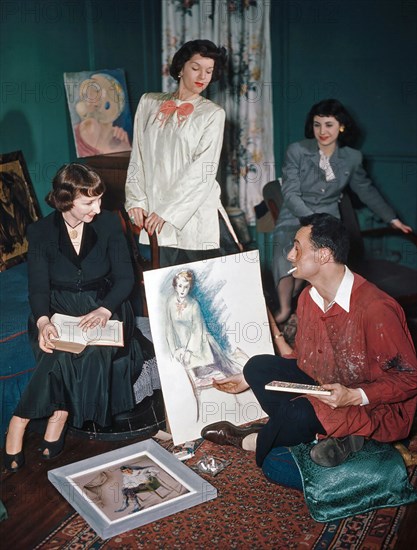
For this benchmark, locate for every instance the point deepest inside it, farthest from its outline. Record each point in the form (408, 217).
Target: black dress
(97, 383)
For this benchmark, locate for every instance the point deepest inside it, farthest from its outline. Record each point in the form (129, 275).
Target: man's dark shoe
(225, 433)
(333, 451)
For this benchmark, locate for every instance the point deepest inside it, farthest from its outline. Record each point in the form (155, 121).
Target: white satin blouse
(173, 167)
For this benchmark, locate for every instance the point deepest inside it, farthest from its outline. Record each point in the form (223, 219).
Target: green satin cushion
(374, 477)
(3, 512)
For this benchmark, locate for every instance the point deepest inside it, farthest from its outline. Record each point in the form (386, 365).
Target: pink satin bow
(168, 108)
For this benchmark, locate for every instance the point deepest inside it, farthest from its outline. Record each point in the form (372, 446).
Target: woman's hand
(179, 355)
(137, 216)
(46, 333)
(187, 358)
(398, 224)
(154, 223)
(98, 317)
(233, 384)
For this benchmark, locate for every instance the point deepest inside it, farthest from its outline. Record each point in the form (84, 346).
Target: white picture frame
(150, 480)
(226, 299)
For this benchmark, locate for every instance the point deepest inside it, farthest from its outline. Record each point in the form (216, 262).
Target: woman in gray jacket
(314, 174)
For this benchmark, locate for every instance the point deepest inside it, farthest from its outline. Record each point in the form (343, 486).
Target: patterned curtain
(245, 92)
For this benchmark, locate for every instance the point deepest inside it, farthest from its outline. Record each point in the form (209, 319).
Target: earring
(342, 129)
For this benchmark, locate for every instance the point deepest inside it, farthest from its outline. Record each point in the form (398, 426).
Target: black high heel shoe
(18, 459)
(54, 448)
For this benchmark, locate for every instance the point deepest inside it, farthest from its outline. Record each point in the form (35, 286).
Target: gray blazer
(306, 191)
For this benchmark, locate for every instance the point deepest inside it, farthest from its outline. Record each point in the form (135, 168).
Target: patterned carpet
(249, 512)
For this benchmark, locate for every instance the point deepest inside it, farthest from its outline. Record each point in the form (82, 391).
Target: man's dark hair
(333, 107)
(205, 48)
(328, 232)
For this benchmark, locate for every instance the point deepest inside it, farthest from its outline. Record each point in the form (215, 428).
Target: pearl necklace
(72, 231)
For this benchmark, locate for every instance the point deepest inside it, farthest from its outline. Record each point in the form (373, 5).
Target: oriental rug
(249, 512)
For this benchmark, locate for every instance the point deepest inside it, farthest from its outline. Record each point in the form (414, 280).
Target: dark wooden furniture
(113, 171)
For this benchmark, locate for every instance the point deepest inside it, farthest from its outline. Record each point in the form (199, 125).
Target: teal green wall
(362, 52)
(42, 39)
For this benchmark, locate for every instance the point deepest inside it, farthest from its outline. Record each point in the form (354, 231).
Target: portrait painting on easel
(205, 326)
(19, 207)
(99, 110)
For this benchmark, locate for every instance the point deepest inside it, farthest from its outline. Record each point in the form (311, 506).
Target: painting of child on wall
(99, 110)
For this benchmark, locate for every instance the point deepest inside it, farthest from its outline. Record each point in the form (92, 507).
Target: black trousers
(292, 419)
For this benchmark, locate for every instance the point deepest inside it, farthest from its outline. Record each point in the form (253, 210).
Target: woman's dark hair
(205, 48)
(71, 181)
(328, 232)
(333, 107)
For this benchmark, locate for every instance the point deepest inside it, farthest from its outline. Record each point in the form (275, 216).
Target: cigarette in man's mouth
(291, 270)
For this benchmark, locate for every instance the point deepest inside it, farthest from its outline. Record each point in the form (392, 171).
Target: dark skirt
(93, 385)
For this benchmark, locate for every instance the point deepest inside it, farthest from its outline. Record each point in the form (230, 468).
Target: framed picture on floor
(207, 320)
(19, 207)
(123, 489)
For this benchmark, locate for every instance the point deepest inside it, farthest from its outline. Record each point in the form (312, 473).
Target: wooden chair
(397, 280)
(273, 197)
(140, 263)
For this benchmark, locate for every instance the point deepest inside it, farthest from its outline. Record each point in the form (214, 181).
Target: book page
(72, 347)
(70, 333)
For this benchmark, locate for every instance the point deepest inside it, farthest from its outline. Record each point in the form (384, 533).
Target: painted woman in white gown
(191, 343)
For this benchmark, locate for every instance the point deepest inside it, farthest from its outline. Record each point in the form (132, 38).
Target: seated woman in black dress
(78, 264)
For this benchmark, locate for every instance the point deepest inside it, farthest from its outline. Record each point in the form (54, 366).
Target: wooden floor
(33, 505)
(35, 508)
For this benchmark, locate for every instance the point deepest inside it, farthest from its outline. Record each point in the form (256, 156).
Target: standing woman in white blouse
(314, 174)
(171, 187)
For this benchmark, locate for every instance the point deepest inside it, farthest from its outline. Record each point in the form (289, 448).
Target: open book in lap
(74, 339)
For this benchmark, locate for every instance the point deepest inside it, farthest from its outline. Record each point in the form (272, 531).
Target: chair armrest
(388, 232)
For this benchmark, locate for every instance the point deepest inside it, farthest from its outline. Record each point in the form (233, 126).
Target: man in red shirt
(352, 339)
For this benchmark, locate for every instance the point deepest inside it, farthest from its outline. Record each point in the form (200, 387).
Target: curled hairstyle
(71, 181)
(328, 232)
(205, 48)
(187, 275)
(333, 107)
